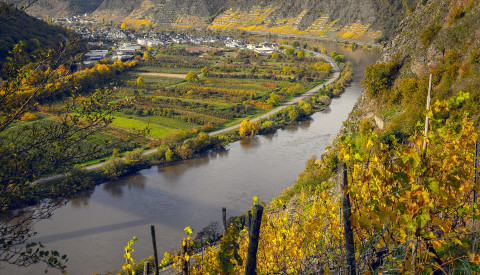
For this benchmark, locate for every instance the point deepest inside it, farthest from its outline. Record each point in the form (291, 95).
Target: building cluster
(127, 42)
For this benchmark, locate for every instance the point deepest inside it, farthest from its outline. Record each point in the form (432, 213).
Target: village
(122, 44)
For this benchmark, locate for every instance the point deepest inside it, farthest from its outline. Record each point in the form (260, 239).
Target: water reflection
(250, 143)
(116, 188)
(81, 201)
(271, 136)
(300, 125)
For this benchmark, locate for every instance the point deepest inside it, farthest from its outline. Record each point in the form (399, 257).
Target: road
(335, 77)
(305, 95)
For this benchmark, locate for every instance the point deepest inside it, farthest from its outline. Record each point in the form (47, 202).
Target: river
(93, 229)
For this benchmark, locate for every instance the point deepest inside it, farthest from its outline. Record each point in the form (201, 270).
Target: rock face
(58, 8)
(366, 20)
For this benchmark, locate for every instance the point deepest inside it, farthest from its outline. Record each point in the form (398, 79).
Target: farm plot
(226, 89)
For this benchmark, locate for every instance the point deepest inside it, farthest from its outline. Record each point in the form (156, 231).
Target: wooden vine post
(248, 222)
(146, 268)
(154, 242)
(424, 149)
(184, 262)
(475, 178)
(347, 223)
(253, 237)
(224, 220)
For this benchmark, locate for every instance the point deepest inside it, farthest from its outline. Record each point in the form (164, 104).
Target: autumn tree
(289, 52)
(205, 71)
(301, 54)
(191, 76)
(146, 56)
(275, 55)
(31, 151)
(247, 128)
(140, 81)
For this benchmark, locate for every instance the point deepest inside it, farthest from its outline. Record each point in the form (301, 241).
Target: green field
(140, 125)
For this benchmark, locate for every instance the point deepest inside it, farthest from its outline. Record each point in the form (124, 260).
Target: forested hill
(16, 26)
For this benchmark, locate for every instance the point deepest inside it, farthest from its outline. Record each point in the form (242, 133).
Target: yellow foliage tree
(247, 128)
(140, 81)
(146, 56)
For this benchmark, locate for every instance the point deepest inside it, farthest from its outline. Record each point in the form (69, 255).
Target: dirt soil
(165, 75)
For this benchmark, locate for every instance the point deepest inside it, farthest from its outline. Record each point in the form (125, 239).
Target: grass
(161, 121)
(241, 84)
(210, 102)
(161, 80)
(139, 125)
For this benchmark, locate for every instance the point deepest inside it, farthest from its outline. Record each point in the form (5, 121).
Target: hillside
(368, 20)
(446, 43)
(365, 20)
(22, 27)
(59, 8)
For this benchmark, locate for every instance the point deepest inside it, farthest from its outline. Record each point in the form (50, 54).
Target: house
(266, 48)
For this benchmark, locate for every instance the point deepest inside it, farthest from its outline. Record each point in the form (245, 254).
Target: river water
(92, 230)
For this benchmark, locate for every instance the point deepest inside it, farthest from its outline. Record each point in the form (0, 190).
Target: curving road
(305, 95)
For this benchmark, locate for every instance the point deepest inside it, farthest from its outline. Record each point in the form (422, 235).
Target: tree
(140, 81)
(273, 99)
(247, 128)
(275, 55)
(296, 44)
(289, 52)
(123, 26)
(13, 11)
(205, 71)
(31, 151)
(293, 114)
(191, 76)
(301, 54)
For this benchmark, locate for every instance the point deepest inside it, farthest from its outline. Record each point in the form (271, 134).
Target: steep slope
(445, 43)
(364, 20)
(361, 20)
(59, 8)
(413, 200)
(22, 27)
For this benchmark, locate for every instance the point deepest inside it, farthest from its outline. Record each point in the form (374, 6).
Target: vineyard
(223, 88)
(411, 209)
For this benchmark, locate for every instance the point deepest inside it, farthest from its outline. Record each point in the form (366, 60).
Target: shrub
(427, 35)
(28, 117)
